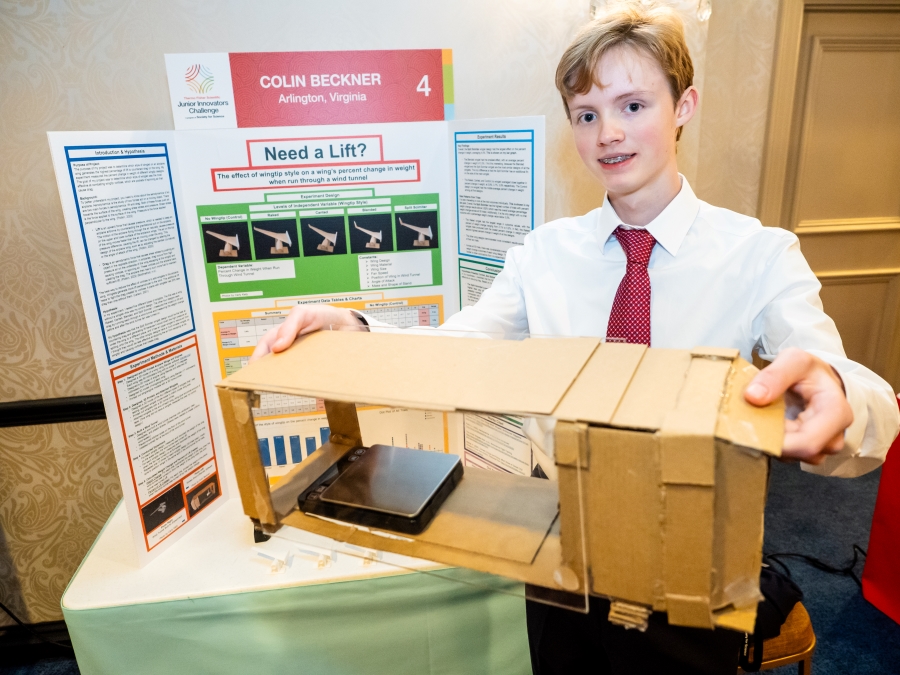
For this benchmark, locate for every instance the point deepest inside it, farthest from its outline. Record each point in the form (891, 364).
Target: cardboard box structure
(662, 464)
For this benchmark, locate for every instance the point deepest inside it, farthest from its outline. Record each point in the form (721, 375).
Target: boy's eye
(588, 117)
(633, 107)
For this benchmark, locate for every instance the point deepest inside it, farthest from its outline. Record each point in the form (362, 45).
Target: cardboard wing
(662, 464)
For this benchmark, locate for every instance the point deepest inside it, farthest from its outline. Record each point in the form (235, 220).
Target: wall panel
(58, 485)
(739, 56)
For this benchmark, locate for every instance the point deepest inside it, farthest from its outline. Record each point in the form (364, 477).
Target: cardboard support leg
(237, 412)
(344, 423)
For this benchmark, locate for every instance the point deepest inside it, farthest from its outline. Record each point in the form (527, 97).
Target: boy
(656, 265)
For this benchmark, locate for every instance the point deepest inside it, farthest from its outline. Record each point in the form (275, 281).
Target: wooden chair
(795, 643)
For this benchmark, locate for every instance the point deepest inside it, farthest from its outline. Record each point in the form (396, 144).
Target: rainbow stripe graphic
(199, 78)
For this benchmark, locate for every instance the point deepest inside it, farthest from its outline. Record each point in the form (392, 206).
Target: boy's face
(625, 129)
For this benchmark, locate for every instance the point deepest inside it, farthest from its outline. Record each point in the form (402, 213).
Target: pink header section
(274, 89)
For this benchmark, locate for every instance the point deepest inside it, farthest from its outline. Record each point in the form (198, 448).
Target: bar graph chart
(273, 451)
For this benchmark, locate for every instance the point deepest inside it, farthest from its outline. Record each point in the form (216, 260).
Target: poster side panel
(117, 195)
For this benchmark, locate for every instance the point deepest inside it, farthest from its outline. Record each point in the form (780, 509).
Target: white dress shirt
(717, 279)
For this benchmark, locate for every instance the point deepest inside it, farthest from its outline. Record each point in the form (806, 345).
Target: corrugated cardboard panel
(654, 389)
(540, 571)
(688, 459)
(688, 455)
(746, 425)
(490, 514)
(529, 376)
(687, 554)
(495, 514)
(503, 376)
(741, 477)
(625, 505)
(594, 396)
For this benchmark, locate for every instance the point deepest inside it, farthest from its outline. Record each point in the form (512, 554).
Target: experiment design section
(321, 241)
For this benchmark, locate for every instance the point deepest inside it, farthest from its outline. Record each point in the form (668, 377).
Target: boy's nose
(609, 133)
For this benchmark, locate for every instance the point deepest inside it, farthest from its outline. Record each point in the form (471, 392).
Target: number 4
(423, 86)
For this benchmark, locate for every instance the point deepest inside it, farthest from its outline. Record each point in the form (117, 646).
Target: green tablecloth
(413, 624)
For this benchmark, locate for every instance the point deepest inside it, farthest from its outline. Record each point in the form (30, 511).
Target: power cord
(846, 571)
(30, 630)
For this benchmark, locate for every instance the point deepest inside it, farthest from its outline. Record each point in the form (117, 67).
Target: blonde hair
(657, 31)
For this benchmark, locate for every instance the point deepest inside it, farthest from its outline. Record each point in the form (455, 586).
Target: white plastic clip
(279, 560)
(321, 557)
(368, 556)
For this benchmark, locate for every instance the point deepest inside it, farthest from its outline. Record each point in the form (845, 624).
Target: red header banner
(274, 89)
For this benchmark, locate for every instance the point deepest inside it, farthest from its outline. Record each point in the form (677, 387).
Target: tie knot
(637, 244)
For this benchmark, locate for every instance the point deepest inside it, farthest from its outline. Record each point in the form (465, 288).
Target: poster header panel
(349, 87)
(273, 89)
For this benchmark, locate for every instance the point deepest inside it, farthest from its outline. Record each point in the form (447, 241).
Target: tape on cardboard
(688, 444)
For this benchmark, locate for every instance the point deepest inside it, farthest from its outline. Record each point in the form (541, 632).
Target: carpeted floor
(822, 517)
(45, 667)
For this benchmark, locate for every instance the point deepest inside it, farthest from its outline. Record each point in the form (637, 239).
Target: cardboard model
(662, 464)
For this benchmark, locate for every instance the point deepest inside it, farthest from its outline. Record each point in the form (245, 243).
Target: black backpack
(780, 594)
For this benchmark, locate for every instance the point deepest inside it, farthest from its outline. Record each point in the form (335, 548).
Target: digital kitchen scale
(384, 487)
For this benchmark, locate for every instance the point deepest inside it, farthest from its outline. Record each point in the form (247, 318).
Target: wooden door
(832, 167)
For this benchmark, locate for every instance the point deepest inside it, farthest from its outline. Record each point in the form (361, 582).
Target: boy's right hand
(300, 321)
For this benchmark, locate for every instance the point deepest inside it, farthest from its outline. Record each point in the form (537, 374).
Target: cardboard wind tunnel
(662, 464)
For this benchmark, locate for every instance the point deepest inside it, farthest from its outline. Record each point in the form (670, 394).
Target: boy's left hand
(818, 431)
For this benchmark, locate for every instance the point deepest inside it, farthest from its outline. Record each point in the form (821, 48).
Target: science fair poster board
(190, 244)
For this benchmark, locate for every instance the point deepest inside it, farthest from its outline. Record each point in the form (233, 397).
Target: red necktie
(629, 320)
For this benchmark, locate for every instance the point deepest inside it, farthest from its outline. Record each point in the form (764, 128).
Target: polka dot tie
(629, 320)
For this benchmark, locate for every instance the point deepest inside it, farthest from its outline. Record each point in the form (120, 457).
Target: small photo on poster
(203, 495)
(371, 233)
(226, 242)
(162, 508)
(323, 236)
(417, 231)
(275, 239)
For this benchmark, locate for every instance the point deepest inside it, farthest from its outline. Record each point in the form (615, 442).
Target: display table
(211, 604)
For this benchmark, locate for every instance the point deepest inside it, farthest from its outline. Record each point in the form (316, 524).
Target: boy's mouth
(618, 159)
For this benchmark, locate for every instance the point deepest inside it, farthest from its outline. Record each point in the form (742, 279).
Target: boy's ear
(686, 106)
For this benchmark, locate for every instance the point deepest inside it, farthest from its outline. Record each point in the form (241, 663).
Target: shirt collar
(669, 228)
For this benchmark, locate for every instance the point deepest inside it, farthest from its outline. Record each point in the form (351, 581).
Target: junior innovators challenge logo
(199, 78)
